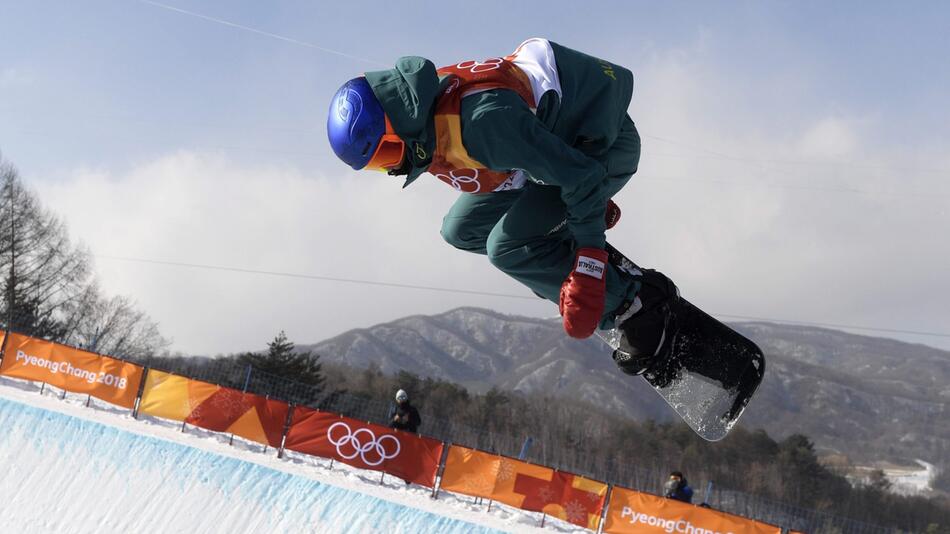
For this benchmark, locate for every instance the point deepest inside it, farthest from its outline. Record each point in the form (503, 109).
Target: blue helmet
(356, 123)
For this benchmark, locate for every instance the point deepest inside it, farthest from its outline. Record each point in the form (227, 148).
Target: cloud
(827, 139)
(202, 208)
(810, 220)
(10, 77)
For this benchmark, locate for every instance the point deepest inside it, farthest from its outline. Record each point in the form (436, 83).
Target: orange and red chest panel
(451, 162)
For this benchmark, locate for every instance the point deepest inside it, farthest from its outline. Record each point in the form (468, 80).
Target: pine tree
(284, 361)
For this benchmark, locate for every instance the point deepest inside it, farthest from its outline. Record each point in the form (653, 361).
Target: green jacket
(565, 144)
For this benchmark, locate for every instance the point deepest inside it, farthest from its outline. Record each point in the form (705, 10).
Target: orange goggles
(389, 153)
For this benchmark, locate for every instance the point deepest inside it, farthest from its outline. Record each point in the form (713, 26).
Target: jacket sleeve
(500, 131)
(414, 419)
(392, 413)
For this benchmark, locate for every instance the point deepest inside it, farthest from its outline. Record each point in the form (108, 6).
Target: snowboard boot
(647, 326)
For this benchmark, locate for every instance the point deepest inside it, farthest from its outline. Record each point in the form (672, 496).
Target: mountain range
(868, 398)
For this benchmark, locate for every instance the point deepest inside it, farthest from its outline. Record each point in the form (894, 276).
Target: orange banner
(71, 369)
(470, 472)
(409, 456)
(523, 485)
(214, 407)
(171, 396)
(635, 512)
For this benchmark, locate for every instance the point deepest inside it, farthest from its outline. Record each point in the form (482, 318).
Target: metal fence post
(524, 448)
(604, 510)
(440, 471)
(138, 396)
(3, 347)
(283, 437)
(709, 486)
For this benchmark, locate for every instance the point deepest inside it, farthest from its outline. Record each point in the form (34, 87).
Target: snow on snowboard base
(711, 373)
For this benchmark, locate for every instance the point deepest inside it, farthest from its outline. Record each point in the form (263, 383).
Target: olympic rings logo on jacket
(475, 67)
(360, 448)
(461, 182)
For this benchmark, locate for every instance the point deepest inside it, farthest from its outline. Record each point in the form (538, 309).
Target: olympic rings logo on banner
(372, 444)
(461, 182)
(492, 63)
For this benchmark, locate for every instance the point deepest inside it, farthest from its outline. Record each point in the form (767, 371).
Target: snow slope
(71, 469)
(912, 481)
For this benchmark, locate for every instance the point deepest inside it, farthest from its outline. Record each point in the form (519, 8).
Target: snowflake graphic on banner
(231, 403)
(546, 494)
(506, 470)
(479, 484)
(576, 513)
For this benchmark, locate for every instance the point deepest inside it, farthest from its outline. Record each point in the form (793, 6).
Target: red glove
(612, 216)
(582, 294)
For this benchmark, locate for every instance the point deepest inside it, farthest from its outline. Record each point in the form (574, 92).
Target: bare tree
(49, 289)
(113, 326)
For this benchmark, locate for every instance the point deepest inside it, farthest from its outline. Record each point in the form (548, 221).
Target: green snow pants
(524, 232)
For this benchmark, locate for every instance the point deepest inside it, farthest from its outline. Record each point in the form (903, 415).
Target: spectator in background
(404, 416)
(677, 488)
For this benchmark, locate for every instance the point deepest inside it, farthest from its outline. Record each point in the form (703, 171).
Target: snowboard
(710, 371)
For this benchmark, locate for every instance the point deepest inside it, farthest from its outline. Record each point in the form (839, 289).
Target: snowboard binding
(648, 327)
(706, 371)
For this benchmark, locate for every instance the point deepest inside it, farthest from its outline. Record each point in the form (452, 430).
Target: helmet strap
(403, 168)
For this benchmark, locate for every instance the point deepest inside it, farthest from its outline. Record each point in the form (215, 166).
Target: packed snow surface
(73, 469)
(912, 481)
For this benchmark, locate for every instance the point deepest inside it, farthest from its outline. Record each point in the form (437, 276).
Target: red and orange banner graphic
(71, 369)
(632, 511)
(364, 445)
(523, 485)
(214, 407)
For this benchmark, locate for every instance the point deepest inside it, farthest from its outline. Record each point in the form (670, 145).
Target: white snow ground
(904, 480)
(68, 468)
(912, 481)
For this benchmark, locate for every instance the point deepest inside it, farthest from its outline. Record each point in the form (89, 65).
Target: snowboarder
(538, 142)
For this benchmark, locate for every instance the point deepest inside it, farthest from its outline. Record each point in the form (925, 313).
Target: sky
(795, 162)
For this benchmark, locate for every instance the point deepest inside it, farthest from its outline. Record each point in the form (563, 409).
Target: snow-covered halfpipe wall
(66, 474)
